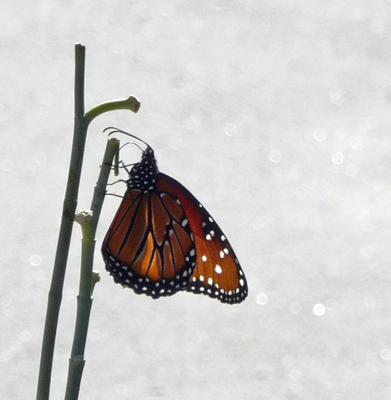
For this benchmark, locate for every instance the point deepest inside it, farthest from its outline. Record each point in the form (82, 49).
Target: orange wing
(217, 273)
(149, 246)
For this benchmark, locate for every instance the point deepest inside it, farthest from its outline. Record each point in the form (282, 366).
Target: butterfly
(162, 240)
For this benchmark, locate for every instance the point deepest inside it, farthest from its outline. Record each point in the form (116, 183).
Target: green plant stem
(69, 208)
(111, 152)
(130, 103)
(84, 299)
(81, 124)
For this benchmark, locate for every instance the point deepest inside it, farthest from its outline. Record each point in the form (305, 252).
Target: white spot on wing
(218, 269)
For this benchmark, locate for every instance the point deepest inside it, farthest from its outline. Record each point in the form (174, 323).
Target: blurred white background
(276, 115)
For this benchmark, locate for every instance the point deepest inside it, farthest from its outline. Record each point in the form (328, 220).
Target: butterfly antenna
(116, 130)
(131, 143)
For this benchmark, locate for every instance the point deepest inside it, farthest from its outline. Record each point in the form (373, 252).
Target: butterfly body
(162, 241)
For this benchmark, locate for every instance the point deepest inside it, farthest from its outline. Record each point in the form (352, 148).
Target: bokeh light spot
(24, 336)
(337, 158)
(275, 156)
(295, 374)
(295, 308)
(262, 299)
(385, 354)
(230, 130)
(319, 310)
(6, 165)
(35, 260)
(320, 135)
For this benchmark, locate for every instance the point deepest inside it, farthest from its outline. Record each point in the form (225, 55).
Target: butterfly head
(143, 175)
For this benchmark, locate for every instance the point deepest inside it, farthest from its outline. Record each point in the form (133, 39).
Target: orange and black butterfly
(162, 240)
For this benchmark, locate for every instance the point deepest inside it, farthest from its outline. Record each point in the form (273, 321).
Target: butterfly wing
(217, 272)
(162, 240)
(149, 246)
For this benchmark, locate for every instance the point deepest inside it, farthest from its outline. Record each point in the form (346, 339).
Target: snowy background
(276, 115)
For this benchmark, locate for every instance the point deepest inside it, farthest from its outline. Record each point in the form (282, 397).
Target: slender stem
(84, 299)
(79, 79)
(70, 203)
(131, 103)
(81, 123)
(112, 152)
